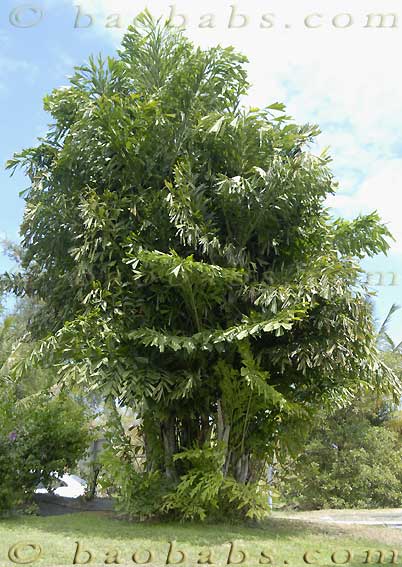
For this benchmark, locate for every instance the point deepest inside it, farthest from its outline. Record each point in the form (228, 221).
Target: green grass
(283, 539)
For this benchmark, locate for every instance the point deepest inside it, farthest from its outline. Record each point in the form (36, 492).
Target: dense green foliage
(187, 264)
(40, 437)
(353, 457)
(122, 475)
(203, 492)
(352, 460)
(42, 430)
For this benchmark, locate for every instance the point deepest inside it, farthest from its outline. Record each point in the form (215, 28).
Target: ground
(112, 540)
(386, 517)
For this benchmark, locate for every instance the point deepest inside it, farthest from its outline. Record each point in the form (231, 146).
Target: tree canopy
(43, 432)
(186, 261)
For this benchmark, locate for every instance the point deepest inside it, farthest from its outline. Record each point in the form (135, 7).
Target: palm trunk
(168, 430)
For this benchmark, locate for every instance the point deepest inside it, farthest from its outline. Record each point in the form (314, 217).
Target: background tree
(188, 267)
(42, 431)
(39, 438)
(353, 457)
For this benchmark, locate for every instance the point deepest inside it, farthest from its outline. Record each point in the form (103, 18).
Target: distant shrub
(348, 462)
(43, 436)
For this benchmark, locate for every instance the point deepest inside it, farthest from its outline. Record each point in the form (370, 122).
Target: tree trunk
(222, 433)
(205, 430)
(168, 430)
(241, 469)
(149, 464)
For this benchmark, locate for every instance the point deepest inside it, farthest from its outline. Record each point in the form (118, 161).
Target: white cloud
(381, 191)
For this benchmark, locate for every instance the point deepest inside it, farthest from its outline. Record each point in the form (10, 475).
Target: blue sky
(329, 69)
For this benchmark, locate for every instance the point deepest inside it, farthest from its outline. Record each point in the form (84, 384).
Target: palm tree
(392, 355)
(384, 341)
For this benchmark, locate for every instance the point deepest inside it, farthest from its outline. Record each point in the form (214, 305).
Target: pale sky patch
(381, 191)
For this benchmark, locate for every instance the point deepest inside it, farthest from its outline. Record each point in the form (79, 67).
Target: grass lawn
(111, 540)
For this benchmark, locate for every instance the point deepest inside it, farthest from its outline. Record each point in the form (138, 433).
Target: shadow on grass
(108, 526)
